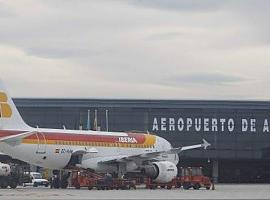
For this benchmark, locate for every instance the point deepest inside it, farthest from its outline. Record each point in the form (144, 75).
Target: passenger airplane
(114, 152)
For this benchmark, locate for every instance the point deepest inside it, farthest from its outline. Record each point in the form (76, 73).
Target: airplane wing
(204, 145)
(16, 139)
(153, 155)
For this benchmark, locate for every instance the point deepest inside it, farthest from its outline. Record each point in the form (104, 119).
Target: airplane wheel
(4, 185)
(196, 186)
(90, 187)
(64, 184)
(186, 186)
(13, 185)
(169, 187)
(153, 187)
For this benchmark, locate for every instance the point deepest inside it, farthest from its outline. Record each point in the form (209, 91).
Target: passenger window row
(103, 144)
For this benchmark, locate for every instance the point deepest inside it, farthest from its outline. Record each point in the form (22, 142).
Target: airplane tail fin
(10, 118)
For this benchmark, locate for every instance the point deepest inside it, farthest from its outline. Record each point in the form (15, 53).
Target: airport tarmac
(231, 191)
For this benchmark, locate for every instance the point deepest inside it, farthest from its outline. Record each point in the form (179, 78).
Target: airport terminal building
(239, 131)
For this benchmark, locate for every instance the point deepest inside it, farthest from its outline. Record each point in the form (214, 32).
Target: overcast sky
(143, 49)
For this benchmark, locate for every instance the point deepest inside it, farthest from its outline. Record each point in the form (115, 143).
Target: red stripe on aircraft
(9, 133)
(140, 138)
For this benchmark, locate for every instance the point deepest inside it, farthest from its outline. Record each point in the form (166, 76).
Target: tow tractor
(192, 177)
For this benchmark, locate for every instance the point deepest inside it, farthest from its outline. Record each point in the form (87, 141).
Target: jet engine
(162, 172)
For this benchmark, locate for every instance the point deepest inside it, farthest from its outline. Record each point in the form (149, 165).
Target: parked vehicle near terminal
(150, 184)
(84, 178)
(8, 176)
(35, 180)
(192, 177)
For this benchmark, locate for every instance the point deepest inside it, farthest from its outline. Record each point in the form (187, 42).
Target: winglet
(205, 144)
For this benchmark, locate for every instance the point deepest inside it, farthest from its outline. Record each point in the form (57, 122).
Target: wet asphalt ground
(230, 191)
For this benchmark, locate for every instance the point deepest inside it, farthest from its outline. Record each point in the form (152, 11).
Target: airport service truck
(8, 176)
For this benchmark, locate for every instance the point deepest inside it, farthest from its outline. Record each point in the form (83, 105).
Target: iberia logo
(5, 110)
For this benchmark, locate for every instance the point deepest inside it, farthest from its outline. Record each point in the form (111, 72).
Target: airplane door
(41, 144)
(118, 149)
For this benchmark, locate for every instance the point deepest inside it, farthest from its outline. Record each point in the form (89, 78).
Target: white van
(36, 180)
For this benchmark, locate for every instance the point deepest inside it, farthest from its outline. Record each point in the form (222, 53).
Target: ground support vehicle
(92, 180)
(150, 184)
(35, 179)
(192, 177)
(9, 176)
(84, 178)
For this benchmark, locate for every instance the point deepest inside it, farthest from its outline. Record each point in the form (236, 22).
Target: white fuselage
(53, 148)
